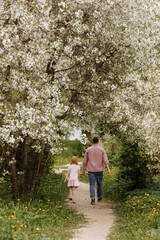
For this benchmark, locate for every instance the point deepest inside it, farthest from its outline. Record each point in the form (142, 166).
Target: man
(94, 159)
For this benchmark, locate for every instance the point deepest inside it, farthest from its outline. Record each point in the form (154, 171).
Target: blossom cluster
(67, 63)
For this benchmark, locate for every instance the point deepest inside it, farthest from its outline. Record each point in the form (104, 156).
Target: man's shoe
(99, 199)
(93, 201)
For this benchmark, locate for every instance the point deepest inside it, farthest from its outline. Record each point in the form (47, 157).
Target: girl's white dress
(73, 177)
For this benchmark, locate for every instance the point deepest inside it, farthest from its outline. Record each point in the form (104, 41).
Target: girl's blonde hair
(74, 160)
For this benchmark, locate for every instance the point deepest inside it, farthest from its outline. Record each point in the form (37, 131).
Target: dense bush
(130, 158)
(113, 188)
(113, 147)
(133, 164)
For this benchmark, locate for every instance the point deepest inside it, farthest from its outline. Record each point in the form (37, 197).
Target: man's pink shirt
(94, 159)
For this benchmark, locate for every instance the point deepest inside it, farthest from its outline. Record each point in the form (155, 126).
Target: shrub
(72, 148)
(133, 164)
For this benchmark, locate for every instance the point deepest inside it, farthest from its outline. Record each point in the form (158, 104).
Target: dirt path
(100, 216)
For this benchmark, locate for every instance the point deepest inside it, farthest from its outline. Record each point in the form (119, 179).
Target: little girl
(73, 182)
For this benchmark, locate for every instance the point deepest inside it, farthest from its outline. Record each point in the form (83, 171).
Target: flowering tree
(73, 63)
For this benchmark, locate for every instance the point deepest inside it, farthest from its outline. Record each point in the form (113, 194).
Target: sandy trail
(100, 216)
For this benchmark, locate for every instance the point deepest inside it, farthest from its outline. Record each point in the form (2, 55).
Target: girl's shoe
(74, 201)
(70, 198)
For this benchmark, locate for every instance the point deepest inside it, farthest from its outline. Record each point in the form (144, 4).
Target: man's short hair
(95, 140)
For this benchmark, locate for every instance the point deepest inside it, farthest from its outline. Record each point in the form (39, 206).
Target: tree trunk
(39, 161)
(3, 158)
(32, 171)
(23, 179)
(40, 170)
(14, 178)
(19, 157)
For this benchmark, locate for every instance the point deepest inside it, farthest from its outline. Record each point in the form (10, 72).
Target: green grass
(138, 218)
(43, 218)
(137, 211)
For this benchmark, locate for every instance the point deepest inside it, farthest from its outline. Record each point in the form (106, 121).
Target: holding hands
(83, 170)
(82, 173)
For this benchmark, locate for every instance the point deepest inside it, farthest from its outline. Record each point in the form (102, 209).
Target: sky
(76, 134)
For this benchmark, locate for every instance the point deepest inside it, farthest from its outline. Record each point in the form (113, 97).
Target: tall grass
(138, 210)
(43, 218)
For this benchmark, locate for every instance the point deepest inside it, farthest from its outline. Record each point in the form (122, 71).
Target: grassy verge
(43, 218)
(138, 211)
